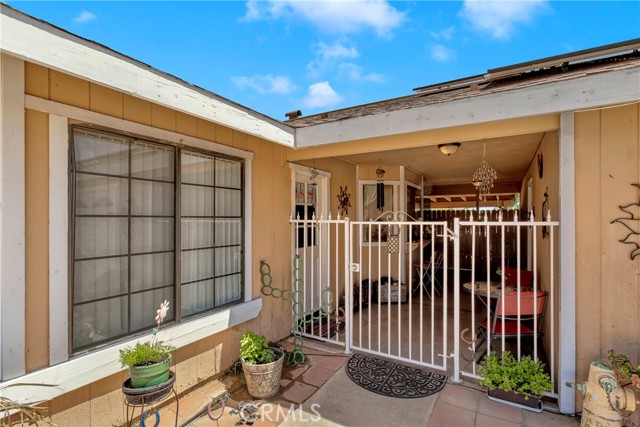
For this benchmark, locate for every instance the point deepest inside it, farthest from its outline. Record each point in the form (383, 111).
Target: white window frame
(299, 171)
(178, 152)
(72, 373)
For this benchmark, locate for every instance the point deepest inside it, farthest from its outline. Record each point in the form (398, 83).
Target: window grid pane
(211, 216)
(124, 199)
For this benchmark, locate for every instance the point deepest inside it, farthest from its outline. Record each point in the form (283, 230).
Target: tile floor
(324, 381)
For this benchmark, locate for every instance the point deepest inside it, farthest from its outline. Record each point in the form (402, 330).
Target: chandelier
(484, 176)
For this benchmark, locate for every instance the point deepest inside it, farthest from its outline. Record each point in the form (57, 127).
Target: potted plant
(262, 365)
(149, 361)
(626, 373)
(519, 383)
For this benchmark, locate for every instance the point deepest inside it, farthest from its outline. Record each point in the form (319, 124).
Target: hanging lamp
(484, 176)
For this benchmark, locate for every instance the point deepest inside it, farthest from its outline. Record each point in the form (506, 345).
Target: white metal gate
(400, 294)
(412, 290)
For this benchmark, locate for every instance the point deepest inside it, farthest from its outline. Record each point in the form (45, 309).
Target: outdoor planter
(149, 361)
(520, 383)
(150, 375)
(520, 400)
(263, 380)
(262, 365)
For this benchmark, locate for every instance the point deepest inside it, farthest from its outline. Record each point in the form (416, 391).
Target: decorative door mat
(391, 379)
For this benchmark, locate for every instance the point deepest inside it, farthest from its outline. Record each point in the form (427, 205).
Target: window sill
(96, 365)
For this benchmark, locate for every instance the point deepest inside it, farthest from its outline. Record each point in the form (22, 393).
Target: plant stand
(139, 398)
(519, 400)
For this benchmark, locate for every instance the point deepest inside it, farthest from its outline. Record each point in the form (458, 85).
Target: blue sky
(278, 56)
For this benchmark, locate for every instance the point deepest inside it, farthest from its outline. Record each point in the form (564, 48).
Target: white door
(310, 191)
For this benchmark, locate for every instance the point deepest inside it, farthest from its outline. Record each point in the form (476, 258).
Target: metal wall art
(631, 223)
(545, 214)
(540, 166)
(343, 201)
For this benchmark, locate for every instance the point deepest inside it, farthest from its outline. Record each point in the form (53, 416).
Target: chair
(532, 309)
(511, 277)
(424, 273)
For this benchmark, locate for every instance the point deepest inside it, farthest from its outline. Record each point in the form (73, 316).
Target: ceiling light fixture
(450, 148)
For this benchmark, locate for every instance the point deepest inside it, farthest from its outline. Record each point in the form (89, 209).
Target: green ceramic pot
(150, 375)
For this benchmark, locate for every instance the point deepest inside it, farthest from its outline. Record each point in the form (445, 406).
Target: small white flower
(162, 311)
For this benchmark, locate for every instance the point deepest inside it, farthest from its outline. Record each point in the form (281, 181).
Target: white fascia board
(593, 91)
(86, 369)
(36, 41)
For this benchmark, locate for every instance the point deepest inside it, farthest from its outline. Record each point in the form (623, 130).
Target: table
(480, 288)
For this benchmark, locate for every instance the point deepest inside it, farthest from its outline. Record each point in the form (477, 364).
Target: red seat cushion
(511, 276)
(510, 328)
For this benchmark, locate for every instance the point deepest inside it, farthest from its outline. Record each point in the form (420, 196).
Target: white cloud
(336, 51)
(442, 53)
(280, 85)
(84, 17)
(253, 12)
(499, 18)
(328, 55)
(342, 16)
(321, 95)
(445, 34)
(354, 72)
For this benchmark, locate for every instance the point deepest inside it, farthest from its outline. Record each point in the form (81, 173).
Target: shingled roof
(478, 86)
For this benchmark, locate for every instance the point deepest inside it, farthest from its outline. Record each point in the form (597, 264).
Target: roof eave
(39, 42)
(604, 89)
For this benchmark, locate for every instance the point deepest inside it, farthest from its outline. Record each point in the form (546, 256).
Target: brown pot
(520, 400)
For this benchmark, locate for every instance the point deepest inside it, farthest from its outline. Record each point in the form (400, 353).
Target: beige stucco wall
(100, 403)
(607, 162)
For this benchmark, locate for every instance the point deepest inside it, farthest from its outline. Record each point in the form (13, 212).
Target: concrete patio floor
(321, 394)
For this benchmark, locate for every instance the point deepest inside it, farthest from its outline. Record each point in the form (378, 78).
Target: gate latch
(354, 267)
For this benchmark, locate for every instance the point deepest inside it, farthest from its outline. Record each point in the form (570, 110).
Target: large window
(145, 217)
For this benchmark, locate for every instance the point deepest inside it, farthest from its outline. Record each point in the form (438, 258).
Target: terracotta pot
(150, 375)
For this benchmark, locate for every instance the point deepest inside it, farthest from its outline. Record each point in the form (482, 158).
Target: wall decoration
(540, 165)
(631, 223)
(343, 201)
(545, 214)
(393, 244)
(380, 188)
